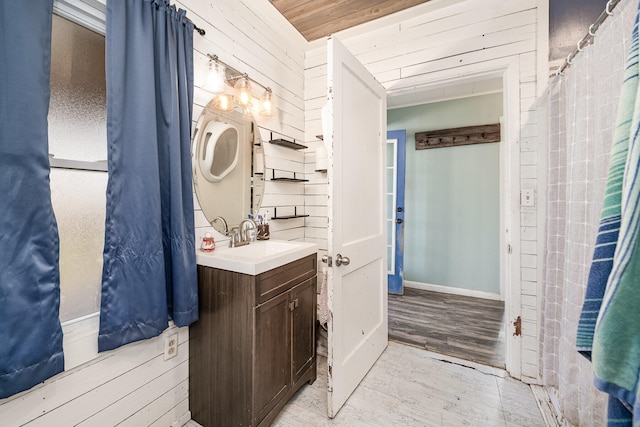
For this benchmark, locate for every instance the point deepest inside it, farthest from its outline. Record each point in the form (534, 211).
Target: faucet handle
(234, 237)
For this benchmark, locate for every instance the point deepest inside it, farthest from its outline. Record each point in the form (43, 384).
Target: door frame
(508, 69)
(510, 215)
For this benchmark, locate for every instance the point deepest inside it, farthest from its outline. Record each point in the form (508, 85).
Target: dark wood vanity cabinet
(254, 344)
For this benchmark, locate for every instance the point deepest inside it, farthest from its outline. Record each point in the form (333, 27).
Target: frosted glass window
(79, 201)
(78, 105)
(77, 131)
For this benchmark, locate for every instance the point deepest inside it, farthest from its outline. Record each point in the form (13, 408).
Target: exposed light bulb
(243, 91)
(215, 78)
(224, 102)
(266, 103)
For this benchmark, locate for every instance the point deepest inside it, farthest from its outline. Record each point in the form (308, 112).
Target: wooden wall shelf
(288, 144)
(289, 180)
(295, 214)
(286, 179)
(289, 217)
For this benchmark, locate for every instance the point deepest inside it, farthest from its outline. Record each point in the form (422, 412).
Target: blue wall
(452, 198)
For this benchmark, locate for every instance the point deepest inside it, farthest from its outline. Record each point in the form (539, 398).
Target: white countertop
(256, 257)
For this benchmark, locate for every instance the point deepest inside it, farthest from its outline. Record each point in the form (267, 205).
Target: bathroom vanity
(253, 346)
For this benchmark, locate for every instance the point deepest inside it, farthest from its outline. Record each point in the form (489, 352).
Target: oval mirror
(228, 166)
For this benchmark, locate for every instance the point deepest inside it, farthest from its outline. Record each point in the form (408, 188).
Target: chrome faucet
(238, 236)
(244, 231)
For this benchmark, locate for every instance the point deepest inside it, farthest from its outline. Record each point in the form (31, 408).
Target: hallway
(456, 325)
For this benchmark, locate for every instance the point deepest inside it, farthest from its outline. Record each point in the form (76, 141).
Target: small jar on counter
(208, 243)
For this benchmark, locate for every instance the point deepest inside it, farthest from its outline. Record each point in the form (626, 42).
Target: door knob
(342, 260)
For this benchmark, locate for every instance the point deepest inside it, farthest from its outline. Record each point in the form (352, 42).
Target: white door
(357, 277)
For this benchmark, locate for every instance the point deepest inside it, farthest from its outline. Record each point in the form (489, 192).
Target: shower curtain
(582, 107)
(30, 330)
(609, 328)
(149, 273)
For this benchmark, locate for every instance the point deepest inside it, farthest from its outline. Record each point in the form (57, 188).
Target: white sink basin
(256, 257)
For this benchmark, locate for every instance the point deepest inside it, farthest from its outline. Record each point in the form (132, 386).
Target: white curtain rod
(591, 34)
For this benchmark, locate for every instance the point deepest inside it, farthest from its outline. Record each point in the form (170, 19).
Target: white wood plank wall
(131, 386)
(134, 386)
(432, 44)
(253, 38)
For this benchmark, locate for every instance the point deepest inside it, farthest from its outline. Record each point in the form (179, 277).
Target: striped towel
(609, 327)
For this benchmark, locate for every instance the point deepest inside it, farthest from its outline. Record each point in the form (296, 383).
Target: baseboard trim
(547, 405)
(454, 291)
(183, 420)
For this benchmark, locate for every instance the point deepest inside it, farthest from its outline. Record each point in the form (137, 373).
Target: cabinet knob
(294, 304)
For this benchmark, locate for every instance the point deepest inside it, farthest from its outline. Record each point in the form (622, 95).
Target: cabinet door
(303, 301)
(272, 369)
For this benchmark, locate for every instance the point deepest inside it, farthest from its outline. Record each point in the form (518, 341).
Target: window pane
(78, 106)
(79, 200)
(391, 152)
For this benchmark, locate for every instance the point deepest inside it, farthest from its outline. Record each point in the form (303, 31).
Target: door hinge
(517, 325)
(509, 248)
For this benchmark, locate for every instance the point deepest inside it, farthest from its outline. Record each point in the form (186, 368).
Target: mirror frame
(219, 199)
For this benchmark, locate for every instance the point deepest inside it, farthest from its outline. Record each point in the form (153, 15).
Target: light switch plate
(527, 198)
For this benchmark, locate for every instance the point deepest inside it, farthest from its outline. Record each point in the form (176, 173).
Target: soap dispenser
(208, 243)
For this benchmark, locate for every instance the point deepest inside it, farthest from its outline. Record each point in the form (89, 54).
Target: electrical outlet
(170, 346)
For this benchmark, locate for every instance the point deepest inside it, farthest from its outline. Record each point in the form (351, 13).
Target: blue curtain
(149, 273)
(30, 331)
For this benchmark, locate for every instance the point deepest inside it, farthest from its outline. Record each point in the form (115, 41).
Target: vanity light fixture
(215, 78)
(241, 83)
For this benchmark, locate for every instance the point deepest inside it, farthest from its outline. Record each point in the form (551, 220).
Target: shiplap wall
(252, 37)
(130, 386)
(134, 385)
(440, 42)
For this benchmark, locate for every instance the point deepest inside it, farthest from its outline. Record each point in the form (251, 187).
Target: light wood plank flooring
(460, 326)
(411, 387)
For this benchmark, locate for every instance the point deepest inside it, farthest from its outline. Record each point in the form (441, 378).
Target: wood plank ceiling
(315, 19)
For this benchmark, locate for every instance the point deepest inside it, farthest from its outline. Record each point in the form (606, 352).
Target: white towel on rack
(323, 309)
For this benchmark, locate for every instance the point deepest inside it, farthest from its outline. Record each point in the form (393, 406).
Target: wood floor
(460, 326)
(412, 387)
